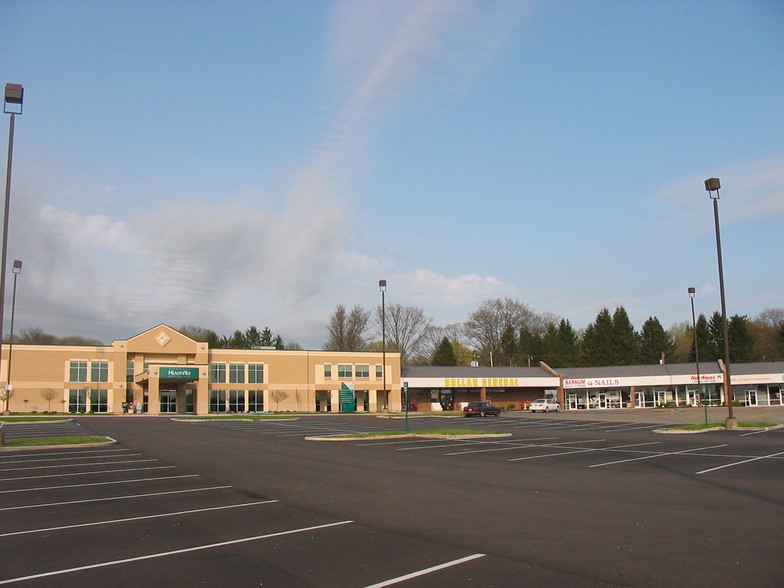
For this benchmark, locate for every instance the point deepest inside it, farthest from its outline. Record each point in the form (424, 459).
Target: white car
(545, 405)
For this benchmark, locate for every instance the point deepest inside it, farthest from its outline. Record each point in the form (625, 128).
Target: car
(545, 405)
(481, 408)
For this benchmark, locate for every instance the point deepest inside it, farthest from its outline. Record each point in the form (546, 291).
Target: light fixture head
(712, 185)
(17, 266)
(692, 291)
(14, 94)
(382, 285)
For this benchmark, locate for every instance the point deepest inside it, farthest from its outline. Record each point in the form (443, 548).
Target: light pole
(17, 269)
(713, 185)
(12, 104)
(382, 285)
(692, 291)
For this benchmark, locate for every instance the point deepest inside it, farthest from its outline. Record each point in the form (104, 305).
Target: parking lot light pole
(713, 185)
(17, 269)
(692, 291)
(12, 104)
(382, 285)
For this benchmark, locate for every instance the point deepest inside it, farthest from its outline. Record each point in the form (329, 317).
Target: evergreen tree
(444, 354)
(702, 341)
(741, 339)
(626, 342)
(278, 343)
(597, 343)
(265, 339)
(509, 350)
(715, 342)
(567, 344)
(655, 342)
(529, 346)
(549, 340)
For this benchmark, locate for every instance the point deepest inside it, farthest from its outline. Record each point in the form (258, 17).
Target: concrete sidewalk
(668, 416)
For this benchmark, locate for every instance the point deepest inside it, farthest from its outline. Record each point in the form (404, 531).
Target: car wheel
(547, 409)
(481, 414)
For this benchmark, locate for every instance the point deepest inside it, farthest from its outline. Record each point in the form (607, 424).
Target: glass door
(168, 401)
(751, 398)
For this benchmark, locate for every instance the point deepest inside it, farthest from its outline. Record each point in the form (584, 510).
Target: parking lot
(564, 500)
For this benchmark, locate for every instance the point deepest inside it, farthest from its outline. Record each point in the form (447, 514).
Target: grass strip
(39, 441)
(741, 425)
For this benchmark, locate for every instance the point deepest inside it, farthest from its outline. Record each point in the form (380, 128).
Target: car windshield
(541, 400)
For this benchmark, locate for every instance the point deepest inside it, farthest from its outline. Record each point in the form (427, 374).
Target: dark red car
(479, 408)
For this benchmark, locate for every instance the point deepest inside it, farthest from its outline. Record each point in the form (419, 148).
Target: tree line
(507, 332)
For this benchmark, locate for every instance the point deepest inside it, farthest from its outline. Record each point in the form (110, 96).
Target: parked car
(478, 408)
(545, 405)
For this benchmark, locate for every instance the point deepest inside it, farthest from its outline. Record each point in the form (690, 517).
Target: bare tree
(347, 329)
(405, 327)
(432, 337)
(48, 394)
(487, 324)
(278, 396)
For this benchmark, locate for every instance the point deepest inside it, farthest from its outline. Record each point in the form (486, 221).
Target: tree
(199, 334)
(444, 354)
(741, 340)
(48, 394)
(597, 344)
(431, 339)
(508, 354)
(530, 346)
(655, 343)
(405, 326)
(278, 396)
(715, 342)
(485, 325)
(626, 342)
(765, 331)
(347, 329)
(567, 345)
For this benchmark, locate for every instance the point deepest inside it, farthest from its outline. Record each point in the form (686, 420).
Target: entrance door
(571, 401)
(602, 400)
(168, 401)
(751, 398)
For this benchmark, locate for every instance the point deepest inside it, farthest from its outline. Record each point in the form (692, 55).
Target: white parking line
(76, 465)
(85, 473)
(412, 575)
(97, 484)
(139, 518)
(662, 454)
(109, 498)
(169, 553)
(729, 465)
(584, 450)
(69, 458)
(508, 446)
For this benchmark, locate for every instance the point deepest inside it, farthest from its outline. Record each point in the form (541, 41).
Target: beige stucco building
(166, 372)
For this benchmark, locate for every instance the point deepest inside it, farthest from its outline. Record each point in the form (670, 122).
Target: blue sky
(257, 163)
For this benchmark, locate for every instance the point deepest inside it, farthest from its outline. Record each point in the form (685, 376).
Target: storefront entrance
(751, 398)
(168, 401)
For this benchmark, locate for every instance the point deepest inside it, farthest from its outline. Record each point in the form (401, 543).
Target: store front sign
(179, 373)
(592, 383)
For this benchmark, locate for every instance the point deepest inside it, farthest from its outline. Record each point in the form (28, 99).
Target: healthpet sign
(179, 373)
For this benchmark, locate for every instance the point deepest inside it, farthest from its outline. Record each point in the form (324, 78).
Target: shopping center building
(161, 371)
(639, 386)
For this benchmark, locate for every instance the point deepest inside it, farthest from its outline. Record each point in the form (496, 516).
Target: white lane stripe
(437, 568)
(86, 473)
(522, 446)
(662, 454)
(583, 450)
(729, 465)
(139, 518)
(169, 553)
(68, 458)
(76, 465)
(110, 498)
(21, 456)
(97, 484)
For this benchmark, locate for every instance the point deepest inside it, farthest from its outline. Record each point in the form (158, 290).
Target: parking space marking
(737, 463)
(509, 445)
(139, 518)
(426, 571)
(98, 484)
(170, 553)
(85, 473)
(582, 450)
(662, 454)
(109, 498)
(74, 465)
(63, 458)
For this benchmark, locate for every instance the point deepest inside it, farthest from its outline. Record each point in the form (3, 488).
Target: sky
(260, 162)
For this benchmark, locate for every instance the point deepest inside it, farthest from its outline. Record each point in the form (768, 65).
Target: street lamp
(713, 185)
(17, 269)
(382, 285)
(12, 104)
(692, 291)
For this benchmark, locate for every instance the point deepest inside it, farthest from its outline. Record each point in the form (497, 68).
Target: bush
(510, 407)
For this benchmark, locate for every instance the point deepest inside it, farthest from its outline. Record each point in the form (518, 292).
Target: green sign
(179, 373)
(348, 400)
